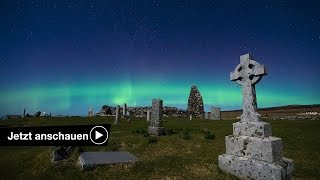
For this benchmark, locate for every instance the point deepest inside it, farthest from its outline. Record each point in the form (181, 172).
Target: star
(2, 61)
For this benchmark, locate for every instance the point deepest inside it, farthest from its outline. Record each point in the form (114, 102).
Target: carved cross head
(248, 71)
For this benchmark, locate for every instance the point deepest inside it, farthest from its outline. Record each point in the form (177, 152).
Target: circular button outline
(104, 140)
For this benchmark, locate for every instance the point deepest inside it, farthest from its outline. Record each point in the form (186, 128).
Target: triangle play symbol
(98, 135)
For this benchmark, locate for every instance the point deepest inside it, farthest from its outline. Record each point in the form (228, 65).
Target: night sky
(62, 56)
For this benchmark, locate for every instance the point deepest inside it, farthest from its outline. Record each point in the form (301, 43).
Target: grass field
(185, 154)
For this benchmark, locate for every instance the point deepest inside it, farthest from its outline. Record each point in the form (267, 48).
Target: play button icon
(99, 135)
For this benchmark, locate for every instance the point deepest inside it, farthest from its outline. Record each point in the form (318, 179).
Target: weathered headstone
(90, 113)
(148, 115)
(206, 115)
(215, 113)
(190, 117)
(24, 113)
(117, 117)
(251, 152)
(155, 127)
(92, 159)
(124, 112)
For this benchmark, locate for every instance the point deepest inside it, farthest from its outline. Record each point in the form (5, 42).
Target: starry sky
(63, 56)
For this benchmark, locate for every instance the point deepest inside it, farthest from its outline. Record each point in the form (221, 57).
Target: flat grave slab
(93, 159)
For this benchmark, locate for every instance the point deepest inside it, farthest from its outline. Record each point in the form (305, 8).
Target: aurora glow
(78, 97)
(55, 59)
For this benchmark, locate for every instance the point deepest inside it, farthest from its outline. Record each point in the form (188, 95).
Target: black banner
(79, 135)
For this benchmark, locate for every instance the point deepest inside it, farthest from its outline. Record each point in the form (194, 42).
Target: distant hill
(287, 107)
(276, 111)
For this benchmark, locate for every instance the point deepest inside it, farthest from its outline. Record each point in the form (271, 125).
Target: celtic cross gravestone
(251, 152)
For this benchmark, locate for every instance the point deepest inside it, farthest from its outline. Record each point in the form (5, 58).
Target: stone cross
(117, 114)
(247, 74)
(251, 151)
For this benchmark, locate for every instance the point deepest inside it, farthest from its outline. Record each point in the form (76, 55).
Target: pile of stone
(195, 103)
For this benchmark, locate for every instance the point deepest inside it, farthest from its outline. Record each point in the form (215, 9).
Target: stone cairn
(117, 117)
(155, 127)
(251, 152)
(215, 113)
(195, 103)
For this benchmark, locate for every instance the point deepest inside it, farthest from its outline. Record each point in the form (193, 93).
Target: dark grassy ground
(171, 157)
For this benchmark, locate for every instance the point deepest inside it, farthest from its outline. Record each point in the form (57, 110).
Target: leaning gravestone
(117, 114)
(206, 115)
(148, 115)
(215, 113)
(89, 160)
(124, 112)
(251, 152)
(155, 127)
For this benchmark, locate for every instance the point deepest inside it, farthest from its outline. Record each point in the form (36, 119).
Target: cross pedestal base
(246, 168)
(265, 149)
(255, 129)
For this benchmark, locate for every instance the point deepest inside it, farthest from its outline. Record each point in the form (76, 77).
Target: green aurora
(77, 98)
